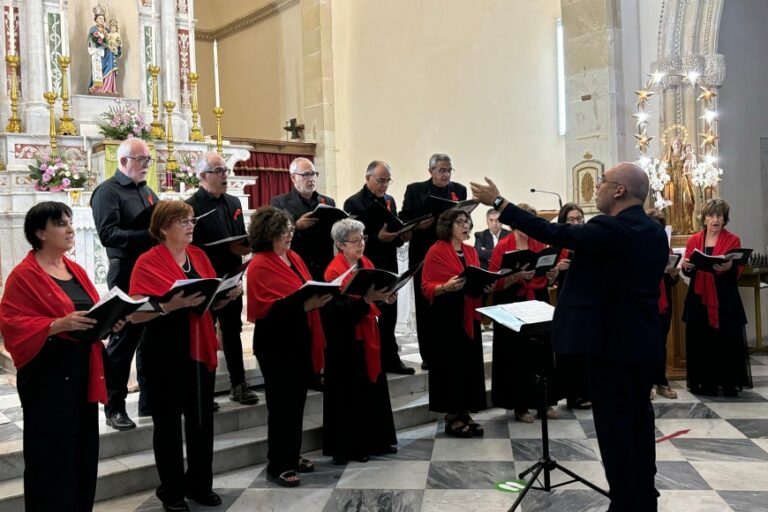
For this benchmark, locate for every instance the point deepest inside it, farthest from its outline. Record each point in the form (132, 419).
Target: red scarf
(506, 244)
(441, 264)
(31, 301)
(366, 329)
(705, 281)
(269, 280)
(154, 274)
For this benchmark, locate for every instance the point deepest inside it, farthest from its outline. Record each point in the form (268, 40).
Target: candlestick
(14, 123)
(194, 134)
(171, 165)
(50, 98)
(218, 111)
(67, 126)
(12, 25)
(216, 72)
(156, 128)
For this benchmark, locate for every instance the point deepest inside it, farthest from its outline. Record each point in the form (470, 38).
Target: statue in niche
(105, 46)
(679, 190)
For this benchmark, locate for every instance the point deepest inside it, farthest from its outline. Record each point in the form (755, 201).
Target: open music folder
(520, 316)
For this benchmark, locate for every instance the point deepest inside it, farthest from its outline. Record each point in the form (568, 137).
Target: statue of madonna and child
(105, 47)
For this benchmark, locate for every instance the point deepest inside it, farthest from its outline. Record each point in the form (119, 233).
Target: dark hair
(567, 208)
(445, 222)
(491, 211)
(716, 206)
(657, 214)
(165, 214)
(267, 225)
(37, 219)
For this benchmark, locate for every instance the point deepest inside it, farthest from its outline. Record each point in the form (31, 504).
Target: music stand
(535, 321)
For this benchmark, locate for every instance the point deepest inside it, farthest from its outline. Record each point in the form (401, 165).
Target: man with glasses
(424, 236)
(115, 203)
(226, 221)
(313, 245)
(381, 249)
(608, 311)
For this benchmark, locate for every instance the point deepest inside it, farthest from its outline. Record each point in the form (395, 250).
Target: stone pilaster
(170, 46)
(319, 121)
(34, 109)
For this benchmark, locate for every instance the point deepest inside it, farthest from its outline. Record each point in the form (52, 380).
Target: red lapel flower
(238, 213)
(454, 197)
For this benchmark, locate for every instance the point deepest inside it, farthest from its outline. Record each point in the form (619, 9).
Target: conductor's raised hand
(316, 301)
(305, 221)
(484, 193)
(75, 321)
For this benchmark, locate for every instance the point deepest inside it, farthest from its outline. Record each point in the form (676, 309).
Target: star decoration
(710, 139)
(642, 117)
(643, 140)
(643, 95)
(707, 93)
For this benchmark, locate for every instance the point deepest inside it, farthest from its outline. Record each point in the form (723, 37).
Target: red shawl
(366, 329)
(705, 281)
(441, 264)
(32, 300)
(154, 274)
(506, 244)
(269, 280)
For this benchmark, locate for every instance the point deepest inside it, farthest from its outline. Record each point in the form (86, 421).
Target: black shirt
(76, 292)
(382, 254)
(224, 222)
(116, 202)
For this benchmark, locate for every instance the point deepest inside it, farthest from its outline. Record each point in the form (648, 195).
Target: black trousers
(660, 377)
(61, 433)
(423, 319)
(624, 423)
(286, 382)
(389, 349)
(231, 325)
(121, 347)
(196, 405)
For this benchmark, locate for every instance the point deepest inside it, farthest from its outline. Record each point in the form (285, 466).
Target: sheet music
(518, 314)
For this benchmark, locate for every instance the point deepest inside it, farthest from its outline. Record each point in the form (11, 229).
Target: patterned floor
(720, 465)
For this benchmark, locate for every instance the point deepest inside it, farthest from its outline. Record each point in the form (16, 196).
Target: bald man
(608, 311)
(116, 202)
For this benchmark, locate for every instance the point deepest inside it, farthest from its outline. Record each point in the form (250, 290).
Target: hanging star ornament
(642, 117)
(643, 140)
(642, 96)
(707, 94)
(710, 139)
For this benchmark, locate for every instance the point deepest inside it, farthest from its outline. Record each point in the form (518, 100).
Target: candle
(48, 58)
(12, 25)
(167, 75)
(64, 29)
(216, 72)
(153, 43)
(192, 60)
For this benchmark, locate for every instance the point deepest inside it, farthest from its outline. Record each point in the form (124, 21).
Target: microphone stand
(559, 199)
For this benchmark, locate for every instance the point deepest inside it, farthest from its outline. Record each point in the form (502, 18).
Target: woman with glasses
(516, 359)
(715, 339)
(357, 413)
(179, 357)
(456, 372)
(288, 339)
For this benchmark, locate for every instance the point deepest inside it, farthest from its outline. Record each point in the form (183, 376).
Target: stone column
(170, 47)
(317, 55)
(593, 81)
(34, 109)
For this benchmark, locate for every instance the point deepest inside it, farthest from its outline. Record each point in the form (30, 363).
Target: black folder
(377, 215)
(542, 261)
(706, 263)
(114, 306)
(207, 286)
(364, 278)
(327, 216)
(141, 221)
(437, 205)
(478, 278)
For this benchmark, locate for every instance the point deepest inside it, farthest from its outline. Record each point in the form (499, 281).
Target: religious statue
(679, 190)
(105, 46)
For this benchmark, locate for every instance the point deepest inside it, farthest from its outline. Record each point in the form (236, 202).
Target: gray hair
(126, 147)
(373, 165)
(294, 167)
(438, 157)
(203, 165)
(343, 228)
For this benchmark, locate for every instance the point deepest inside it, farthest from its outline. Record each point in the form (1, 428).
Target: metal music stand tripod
(539, 334)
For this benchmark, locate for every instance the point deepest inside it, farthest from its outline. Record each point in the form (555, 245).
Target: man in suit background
(424, 236)
(608, 311)
(225, 221)
(314, 246)
(381, 249)
(487, 239)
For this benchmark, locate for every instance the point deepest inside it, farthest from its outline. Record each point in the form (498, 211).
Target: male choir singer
(487, 239)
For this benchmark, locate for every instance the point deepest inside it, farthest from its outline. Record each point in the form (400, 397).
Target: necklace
(187, 266)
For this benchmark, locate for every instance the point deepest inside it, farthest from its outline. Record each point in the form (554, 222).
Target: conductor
(613, 322)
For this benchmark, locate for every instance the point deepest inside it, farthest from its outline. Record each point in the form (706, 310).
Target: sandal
(476, 428)
(458, 428)
(305, 466)
(285, 479)
(523, 416)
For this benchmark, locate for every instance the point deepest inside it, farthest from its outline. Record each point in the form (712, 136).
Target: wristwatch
(497, 202)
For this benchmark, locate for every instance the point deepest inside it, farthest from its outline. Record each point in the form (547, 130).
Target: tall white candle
(12, 25)
(167, 74)
(190, 17)
(64, 29)
(153, 43)
(48, 57)
(216, 71)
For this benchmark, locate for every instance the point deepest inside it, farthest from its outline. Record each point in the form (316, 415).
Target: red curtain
(271, 169)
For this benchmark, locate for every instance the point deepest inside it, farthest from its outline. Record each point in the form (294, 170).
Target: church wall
(477, 82)
(743, 107)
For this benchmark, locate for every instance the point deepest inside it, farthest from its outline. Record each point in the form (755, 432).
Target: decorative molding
(247, 21)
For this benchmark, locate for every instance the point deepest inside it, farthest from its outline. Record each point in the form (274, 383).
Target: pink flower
(43, 167)
(65, 182)
(46, 177)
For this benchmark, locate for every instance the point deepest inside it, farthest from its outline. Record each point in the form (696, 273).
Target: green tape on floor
(510, 485)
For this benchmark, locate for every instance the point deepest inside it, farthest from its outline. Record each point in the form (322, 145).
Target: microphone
(559, 199)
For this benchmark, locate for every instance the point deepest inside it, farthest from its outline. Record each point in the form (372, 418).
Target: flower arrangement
(186, 173)
(52, 174)
(121, 122)
(658, 178)
(98, 36)
(705, 174)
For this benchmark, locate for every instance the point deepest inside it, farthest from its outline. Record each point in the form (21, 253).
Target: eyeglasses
(601, 180)
(359, 241)
(463, 222)
(288, 232)
(187, 222)
(307, 175)
(219, 171)
(445, 171)
(145, 161)
(383, 181)
(574, 220)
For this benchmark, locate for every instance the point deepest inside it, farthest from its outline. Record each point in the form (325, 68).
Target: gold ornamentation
(682, 133)
(643, 140)
(643, 95)
(218, 112)
(50, 98)
(171, 165)
(587, 187)
(14, 123)
(710, 139)
(67, 126)
(194, 134)
(707, 94)
(156, 128)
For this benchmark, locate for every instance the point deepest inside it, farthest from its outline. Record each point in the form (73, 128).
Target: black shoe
(209, 499)
(216, 406)
(120, 421)
(240, 393)
(424, 366)
(177, 506)
(401, 369)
